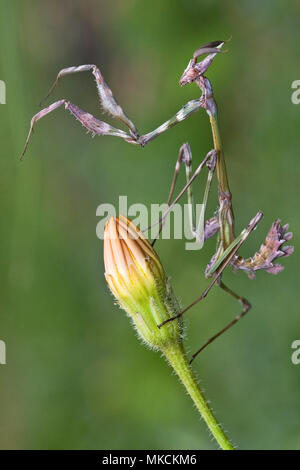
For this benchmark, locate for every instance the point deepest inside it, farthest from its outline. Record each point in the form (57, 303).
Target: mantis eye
(194, 70)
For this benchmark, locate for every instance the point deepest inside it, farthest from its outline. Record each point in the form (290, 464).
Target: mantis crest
(222, 223)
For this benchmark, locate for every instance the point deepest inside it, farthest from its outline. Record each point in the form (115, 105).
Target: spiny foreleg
(92, 124)
(110, 104)
(107, 99)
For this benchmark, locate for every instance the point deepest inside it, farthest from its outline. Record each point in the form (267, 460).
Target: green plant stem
(177, 358)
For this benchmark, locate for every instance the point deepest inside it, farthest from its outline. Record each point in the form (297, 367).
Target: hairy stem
(176, 356)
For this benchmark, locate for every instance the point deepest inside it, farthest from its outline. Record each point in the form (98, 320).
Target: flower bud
(138, 281)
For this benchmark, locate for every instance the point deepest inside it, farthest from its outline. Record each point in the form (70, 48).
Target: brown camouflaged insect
(223, 222)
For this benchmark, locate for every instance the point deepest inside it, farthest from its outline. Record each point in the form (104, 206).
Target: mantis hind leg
(246, 307)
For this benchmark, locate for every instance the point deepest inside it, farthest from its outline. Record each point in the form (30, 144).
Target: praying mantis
(222, 223)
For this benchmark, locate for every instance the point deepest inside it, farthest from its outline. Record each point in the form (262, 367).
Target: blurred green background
(76, 376)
